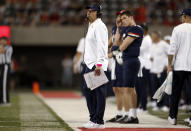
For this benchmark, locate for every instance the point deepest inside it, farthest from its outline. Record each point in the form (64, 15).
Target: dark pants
(179, 79)
(156, 82)
(187, 92)
(95, 101)
(4, 83)
(142, 85)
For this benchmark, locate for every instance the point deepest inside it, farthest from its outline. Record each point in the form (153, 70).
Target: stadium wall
(65, 35)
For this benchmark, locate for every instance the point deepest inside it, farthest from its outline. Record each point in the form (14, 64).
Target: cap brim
(117, 13)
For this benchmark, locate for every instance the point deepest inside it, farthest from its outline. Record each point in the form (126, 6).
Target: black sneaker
(122, 118)
(130, 120)
(114, 119)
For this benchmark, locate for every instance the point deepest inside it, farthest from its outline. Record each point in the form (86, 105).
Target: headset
(99, 13)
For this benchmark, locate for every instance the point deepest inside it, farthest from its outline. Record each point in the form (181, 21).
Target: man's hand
(119, 58)
(169, 69)
(75, 70)
(97, 71)
(118, 23)
(117, 54)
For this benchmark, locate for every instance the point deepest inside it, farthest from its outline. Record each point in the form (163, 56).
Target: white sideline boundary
(75, 113)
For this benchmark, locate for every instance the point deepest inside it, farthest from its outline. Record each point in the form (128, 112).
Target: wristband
(99, 65)
(114, 48)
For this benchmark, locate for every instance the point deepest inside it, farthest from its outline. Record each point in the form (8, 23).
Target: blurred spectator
(159, 62)
(167, 38)
(141, 14)
(67, 65)
(69, 12)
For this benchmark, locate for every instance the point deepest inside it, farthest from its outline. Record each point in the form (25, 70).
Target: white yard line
(74, 112)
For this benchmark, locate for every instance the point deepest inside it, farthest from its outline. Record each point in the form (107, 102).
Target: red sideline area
(136, 129)
(60, 94)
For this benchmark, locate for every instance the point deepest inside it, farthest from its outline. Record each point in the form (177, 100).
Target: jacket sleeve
(101, 35)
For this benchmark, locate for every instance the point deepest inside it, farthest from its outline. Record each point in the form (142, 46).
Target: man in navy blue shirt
(129, 44)
(116, 73)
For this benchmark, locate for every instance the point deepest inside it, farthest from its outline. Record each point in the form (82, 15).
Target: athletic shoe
(100, 126)
(172, 120)
(88, 124)
(140, 110)
(114, 119)
(122, 118)
(155, 108)
(130, 120)
(165, 109)
(187, 120)
(92, 125)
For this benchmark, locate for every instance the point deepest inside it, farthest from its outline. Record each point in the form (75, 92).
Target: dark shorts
(130, 71)
(118, 82)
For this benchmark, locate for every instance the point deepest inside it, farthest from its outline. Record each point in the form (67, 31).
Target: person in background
(67, 71)
(167, 38)
(143, 83)
(78, 65)
(159, 62)
(179, 62)
(5, 60)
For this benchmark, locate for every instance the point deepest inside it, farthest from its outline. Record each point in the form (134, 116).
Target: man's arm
(2, 49)
(170, 58)
(126, 43)
(78, 55)
(101, 36)
(110, 42)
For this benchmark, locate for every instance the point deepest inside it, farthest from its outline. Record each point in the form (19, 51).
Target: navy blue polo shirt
(133, 49)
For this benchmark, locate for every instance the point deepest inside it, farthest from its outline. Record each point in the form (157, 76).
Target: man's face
(126, 20)
(91, 14)
(154, 37)
(3, 42)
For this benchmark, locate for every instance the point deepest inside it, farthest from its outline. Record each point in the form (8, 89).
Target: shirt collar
(96, 21)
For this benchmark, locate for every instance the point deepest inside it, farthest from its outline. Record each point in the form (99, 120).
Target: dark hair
(145, 26)
(158, 33)
(4, 38)
(127, 12)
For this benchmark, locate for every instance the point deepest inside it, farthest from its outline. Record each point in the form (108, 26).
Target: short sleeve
(135, 31)
(81, 45)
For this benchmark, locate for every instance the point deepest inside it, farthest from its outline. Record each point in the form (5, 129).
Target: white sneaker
(88, 124)
(155, 108)
(172, 120)
(100, 126)
(91, 124)
(187, 120)
(183, 107)
(151, 104)
(139, 110)
(165, 109)
(190, 123)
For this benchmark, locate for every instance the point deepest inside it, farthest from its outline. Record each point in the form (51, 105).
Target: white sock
(133, 112)
(119, 112)
(127, 113)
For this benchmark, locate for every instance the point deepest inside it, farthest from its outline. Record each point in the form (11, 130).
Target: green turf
(9, 116)
(182, 114)
(27, 113)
